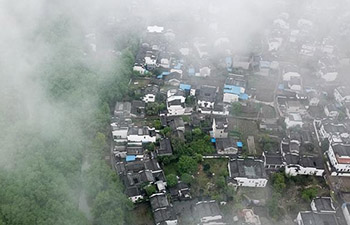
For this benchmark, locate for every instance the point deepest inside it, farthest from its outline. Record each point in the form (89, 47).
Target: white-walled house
(206, 98)
(333, 132)
(220, 127)
(247, 172)
(119, 134)
(304, 165)
(293, 120)
(176, 102)
(339, 158)
(141, 134)
(150, 93)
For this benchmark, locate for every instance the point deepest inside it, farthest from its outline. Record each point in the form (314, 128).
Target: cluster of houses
(192, 89)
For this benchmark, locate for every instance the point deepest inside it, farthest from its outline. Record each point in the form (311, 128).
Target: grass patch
(170, 169)
(207, 180)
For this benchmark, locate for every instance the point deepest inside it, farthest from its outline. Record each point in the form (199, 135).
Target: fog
(62, 63)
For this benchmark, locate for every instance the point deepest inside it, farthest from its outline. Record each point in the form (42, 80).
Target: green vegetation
(211, 179)
(187, 164)
(171, 180)
(186, 178)
(309, 193)
(150, 189)
(236, 108)
(55, 146)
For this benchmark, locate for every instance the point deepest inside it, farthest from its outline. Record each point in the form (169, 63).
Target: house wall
(230, 98)
(219, 113)
(299, 170)
(295, 87)
(176, 110)
(120, 135)
(205, 104)
(247, 182)
(139, 69)
(136, 198)
(290, 123)
(299, 220)
(340, 167)
(274, 167)
(149, 98)
(141, 138)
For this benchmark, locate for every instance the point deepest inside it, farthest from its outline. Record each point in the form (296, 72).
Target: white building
(206, 98)
(150, 93)
(155, 29)
(176, 102)
(335, 133)
(220, 127)
(293, 80)
(339, 158)
(248, 172)
(305, 165)
(140, 69)
(120, 134)
(143, 134)
(293, 120)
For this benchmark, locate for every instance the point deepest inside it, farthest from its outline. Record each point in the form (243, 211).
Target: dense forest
(54, 129)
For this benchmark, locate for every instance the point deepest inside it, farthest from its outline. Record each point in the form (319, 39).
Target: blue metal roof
(232, 89)
(185, 87)
(163, 74)
(239, 144)
(191, 71)
(130, 158)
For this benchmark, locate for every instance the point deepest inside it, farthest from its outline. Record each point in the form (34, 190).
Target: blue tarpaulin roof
(239, 144)
(213, 140)
(191, 71)
(281, 86)
(130, 158)
(163, 74)
(243, 96)
(185, 87)
(178, 66)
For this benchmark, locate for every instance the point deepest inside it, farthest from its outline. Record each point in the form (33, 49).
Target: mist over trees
(54, 119)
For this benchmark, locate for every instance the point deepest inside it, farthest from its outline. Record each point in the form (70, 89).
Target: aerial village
(254, 137)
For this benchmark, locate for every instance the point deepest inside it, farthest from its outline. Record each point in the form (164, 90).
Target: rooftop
(311, 218)
(207, 93)
(248, 167)
(165, 147)
(159, 200)
(323, 204)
